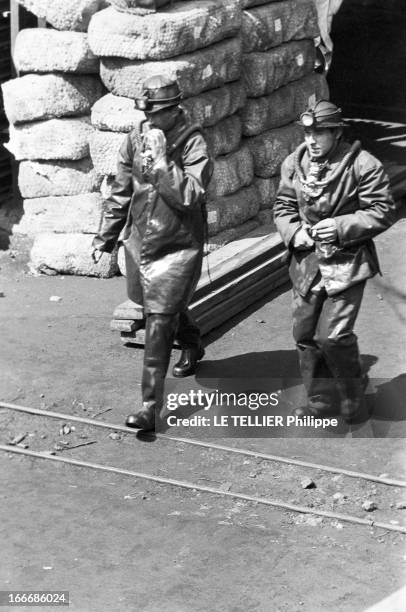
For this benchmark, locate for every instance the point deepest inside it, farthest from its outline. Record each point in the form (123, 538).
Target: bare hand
(97, 255)
(302, 240)
(325, 230)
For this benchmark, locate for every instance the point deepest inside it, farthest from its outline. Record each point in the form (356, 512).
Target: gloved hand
(301, 240)
(96, 255)
(154, 153)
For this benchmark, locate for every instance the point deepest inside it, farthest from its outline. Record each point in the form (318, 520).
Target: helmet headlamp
(308, 119)
(143, 103)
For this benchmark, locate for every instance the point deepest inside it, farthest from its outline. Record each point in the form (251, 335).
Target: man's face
(164, 119)
(320, 142)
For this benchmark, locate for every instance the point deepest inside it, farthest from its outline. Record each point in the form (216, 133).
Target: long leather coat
(358, 198)
(160, 220)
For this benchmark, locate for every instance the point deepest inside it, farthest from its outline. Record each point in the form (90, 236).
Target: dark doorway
(369, 57)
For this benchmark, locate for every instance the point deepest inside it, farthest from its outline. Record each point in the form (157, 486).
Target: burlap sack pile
(245, 68)
(49, 111)
(199, 42)
(280, 83)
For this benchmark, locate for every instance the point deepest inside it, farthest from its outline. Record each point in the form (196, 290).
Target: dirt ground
(125, 544)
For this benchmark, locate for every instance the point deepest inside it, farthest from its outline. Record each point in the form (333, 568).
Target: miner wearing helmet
(156, 208)
(332, 200)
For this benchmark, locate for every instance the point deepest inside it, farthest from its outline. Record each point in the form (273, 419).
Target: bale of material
(283, 105)
(63, 15)
(196, 72)
(61, 214)
(305, 97)
(267, 189)
(234, 233)
(271, 25)
(104, 148)
(59, 178)
(210, 107)
(59, 139)
(225, 136)
(271, 148)
(47, 50)
(181, 28)
(116, 114)
(231, 173)
(264, 72)
(70, 254)
(232, 210)
(35, 97)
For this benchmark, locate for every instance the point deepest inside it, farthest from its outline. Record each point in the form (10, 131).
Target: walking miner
(333, 199)
(156, 208)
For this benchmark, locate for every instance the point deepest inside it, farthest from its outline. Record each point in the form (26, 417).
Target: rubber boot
(159, 335)
(318, 382)
(353, 406)
(344, 360)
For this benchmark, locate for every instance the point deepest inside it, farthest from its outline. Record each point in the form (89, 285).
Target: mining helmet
(323, 114)
(159, 92)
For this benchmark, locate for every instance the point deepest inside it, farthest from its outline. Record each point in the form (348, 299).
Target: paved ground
(119, 543)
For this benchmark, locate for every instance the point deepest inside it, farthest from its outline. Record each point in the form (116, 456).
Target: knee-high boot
(159, 334)
(344, 359)
(317, 378)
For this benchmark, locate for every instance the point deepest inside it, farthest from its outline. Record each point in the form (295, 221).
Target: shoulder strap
(356, 165)
(184, 136)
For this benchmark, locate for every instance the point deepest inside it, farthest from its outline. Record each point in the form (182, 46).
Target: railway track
(195, 486)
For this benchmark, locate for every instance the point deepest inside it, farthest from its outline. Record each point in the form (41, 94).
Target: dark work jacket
(359, 199)
(160, 220)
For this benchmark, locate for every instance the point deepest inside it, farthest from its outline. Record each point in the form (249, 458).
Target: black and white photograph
(203, 305)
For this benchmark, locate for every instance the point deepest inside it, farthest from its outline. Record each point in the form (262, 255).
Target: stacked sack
(198, 42)
(280, 82)
(245, 68)
(49, 112)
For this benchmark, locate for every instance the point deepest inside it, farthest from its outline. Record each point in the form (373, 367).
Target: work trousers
(327, 347)
(160, 331)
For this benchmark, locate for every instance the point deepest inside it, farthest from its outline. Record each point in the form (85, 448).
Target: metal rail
(194, 487)
(199, 443)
